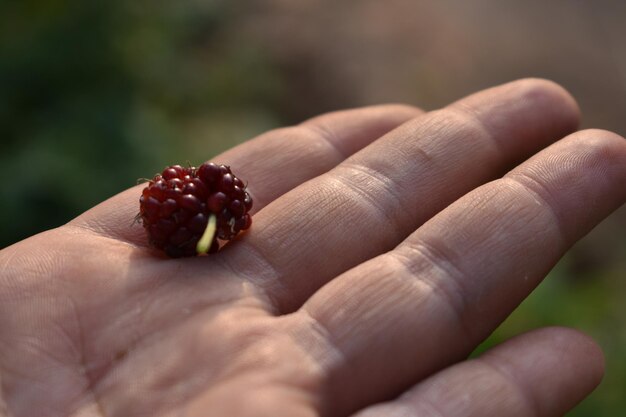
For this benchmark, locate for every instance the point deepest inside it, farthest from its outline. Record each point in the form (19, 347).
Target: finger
(430, 301)
(272, 164)
(543, 373)
(373, 200)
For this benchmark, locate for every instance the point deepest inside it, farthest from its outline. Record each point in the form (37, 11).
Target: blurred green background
(94, 95)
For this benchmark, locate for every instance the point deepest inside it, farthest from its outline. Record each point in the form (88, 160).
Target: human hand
(373, 267)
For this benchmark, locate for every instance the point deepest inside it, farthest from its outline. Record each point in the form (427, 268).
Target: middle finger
(373, 200)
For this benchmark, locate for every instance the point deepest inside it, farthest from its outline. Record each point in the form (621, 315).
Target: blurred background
(94, 95)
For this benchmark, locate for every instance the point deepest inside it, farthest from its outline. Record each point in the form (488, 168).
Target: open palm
(386, 245)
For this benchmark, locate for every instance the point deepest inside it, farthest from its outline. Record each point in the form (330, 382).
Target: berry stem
(204, 244)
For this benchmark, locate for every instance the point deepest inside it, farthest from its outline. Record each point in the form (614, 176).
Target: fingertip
(552, 94)
(544, 372)
(551, 363)
(609, 144)
(582, 178)
(525, 115)
(579, 345)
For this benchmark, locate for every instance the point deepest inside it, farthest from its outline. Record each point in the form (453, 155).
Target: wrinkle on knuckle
(519, 395)
(265, 277)
(437, 269)
(473, 125)
(533, 188)
(381, 193)
(324, 135)
(334, 355)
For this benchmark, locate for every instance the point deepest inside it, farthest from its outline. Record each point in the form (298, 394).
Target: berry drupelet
(186, 210)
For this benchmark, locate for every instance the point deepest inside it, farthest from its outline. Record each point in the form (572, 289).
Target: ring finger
(303, 151)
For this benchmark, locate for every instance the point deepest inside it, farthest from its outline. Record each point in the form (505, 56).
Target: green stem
(204, 244)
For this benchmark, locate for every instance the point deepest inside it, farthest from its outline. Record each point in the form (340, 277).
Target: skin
(386, 244)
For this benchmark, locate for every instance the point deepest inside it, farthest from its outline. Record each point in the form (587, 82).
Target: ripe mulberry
(186, 210)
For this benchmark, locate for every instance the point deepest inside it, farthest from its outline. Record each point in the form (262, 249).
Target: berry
(186, 210)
